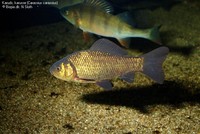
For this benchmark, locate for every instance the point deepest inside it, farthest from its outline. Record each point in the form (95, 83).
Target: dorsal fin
(101, 4)
(105, 45)
(127, 17)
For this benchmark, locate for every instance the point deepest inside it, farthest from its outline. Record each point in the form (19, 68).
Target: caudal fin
(153, 64)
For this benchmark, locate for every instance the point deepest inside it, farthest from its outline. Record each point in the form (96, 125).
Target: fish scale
(102, 63)
(94, 21)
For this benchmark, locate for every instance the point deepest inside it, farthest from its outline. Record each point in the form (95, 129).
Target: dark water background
(21, 18)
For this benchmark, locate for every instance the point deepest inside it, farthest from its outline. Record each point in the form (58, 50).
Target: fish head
(71, 14)
(63, 70)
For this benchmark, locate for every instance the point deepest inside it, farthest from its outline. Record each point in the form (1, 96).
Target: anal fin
(128, 77)
(105, 84)
(86, 36)
(125, 42)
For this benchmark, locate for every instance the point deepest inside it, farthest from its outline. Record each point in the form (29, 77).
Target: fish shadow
(169, 94)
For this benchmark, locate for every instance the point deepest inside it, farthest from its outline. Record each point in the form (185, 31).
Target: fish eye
(58, 68)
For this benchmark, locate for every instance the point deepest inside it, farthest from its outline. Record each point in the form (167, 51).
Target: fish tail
(154, 35)
(153, 61)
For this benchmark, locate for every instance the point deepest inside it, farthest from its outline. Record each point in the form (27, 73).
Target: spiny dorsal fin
(105, 45)
(102, 4)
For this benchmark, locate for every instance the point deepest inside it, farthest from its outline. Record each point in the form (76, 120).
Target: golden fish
(104, 61)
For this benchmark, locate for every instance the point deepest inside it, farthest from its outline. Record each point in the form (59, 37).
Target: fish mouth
(51, 70)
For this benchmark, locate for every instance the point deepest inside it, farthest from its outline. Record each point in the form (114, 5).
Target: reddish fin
(124, 42)
(86, 36)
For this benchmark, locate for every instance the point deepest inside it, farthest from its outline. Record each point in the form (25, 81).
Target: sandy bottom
(33, 101)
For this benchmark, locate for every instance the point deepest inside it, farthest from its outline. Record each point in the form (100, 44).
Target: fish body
(105, 61)
(97, 66)
(100, 21)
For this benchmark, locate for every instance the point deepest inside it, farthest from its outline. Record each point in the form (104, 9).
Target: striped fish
(105, 61)
(94, 16)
